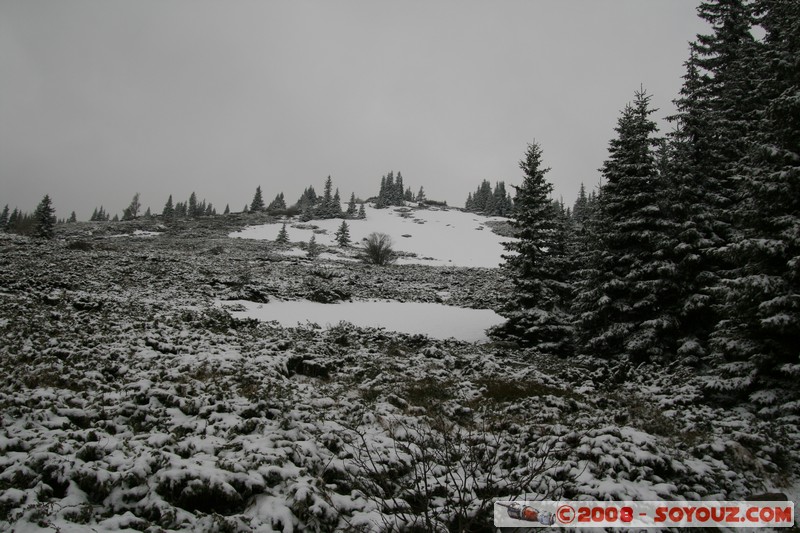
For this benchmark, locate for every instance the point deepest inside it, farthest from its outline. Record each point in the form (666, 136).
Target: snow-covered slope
(438, 236)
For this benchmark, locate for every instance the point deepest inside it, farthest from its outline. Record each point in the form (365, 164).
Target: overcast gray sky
(100, 99)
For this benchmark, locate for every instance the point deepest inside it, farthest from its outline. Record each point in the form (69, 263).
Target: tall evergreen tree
(191, 210)
(537, 313)
(580, 207)
(326, 209)
(132, 211)
(362, 213)
(257, 204)
(45, 219)
(342, 235)
(628, 306)
(278, 204)
(4, 217)
(336, 205)
(715, 107)
(169, 210)
(399, 190)
(756, 339)
(351, 206)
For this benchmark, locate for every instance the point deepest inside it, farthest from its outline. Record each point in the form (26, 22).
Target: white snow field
(437, 321)
(438, 236)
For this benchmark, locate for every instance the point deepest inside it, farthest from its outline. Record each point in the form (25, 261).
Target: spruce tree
(342, 235)
(756, 339)
(420, 195)
(73, 218)
(579, 208)
(4, 217)
(283, 236)
(362, 213)
(278, 204)
(381, 200)
(313, 247)
(169, 210)
(628, 307)
(132, 211)
(44, 219)
(336, 205)
(351, 206)
(399, 190)
(227, 209)
(326, 208)
(713, 124)
(257, 204)
(12, 220)
(191, 210)
(537, 312)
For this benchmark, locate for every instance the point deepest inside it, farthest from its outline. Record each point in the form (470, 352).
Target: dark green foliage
(278, 204)
(756, 338)
(392, 191)
(313, 248)
(283, 236)
(627, 302)
(538, 310)
(99, 215)
(490, 202)
(45, 219)
(132, 211)
(352, 211)
(4, 217)
(343, 235)
(257, 204)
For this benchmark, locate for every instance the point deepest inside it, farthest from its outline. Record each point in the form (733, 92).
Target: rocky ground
(130, 401)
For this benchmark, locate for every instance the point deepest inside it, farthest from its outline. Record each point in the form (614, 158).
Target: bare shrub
(435, 475)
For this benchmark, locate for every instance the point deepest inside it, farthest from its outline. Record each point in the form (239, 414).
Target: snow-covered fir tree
(257, 204)
(627, 307)
(283, 235)
(132, 211)
(312, 250)
(169, 210)
(45, 219)
(278, 204)
(538, 310)
(342, 235)
(352, 210)
(756, 338)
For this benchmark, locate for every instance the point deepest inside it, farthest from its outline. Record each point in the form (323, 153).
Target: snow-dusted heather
(416, 318)
(131, 401)
(438, 236)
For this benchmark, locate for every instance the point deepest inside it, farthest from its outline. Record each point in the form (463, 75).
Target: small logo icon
(565, 514)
